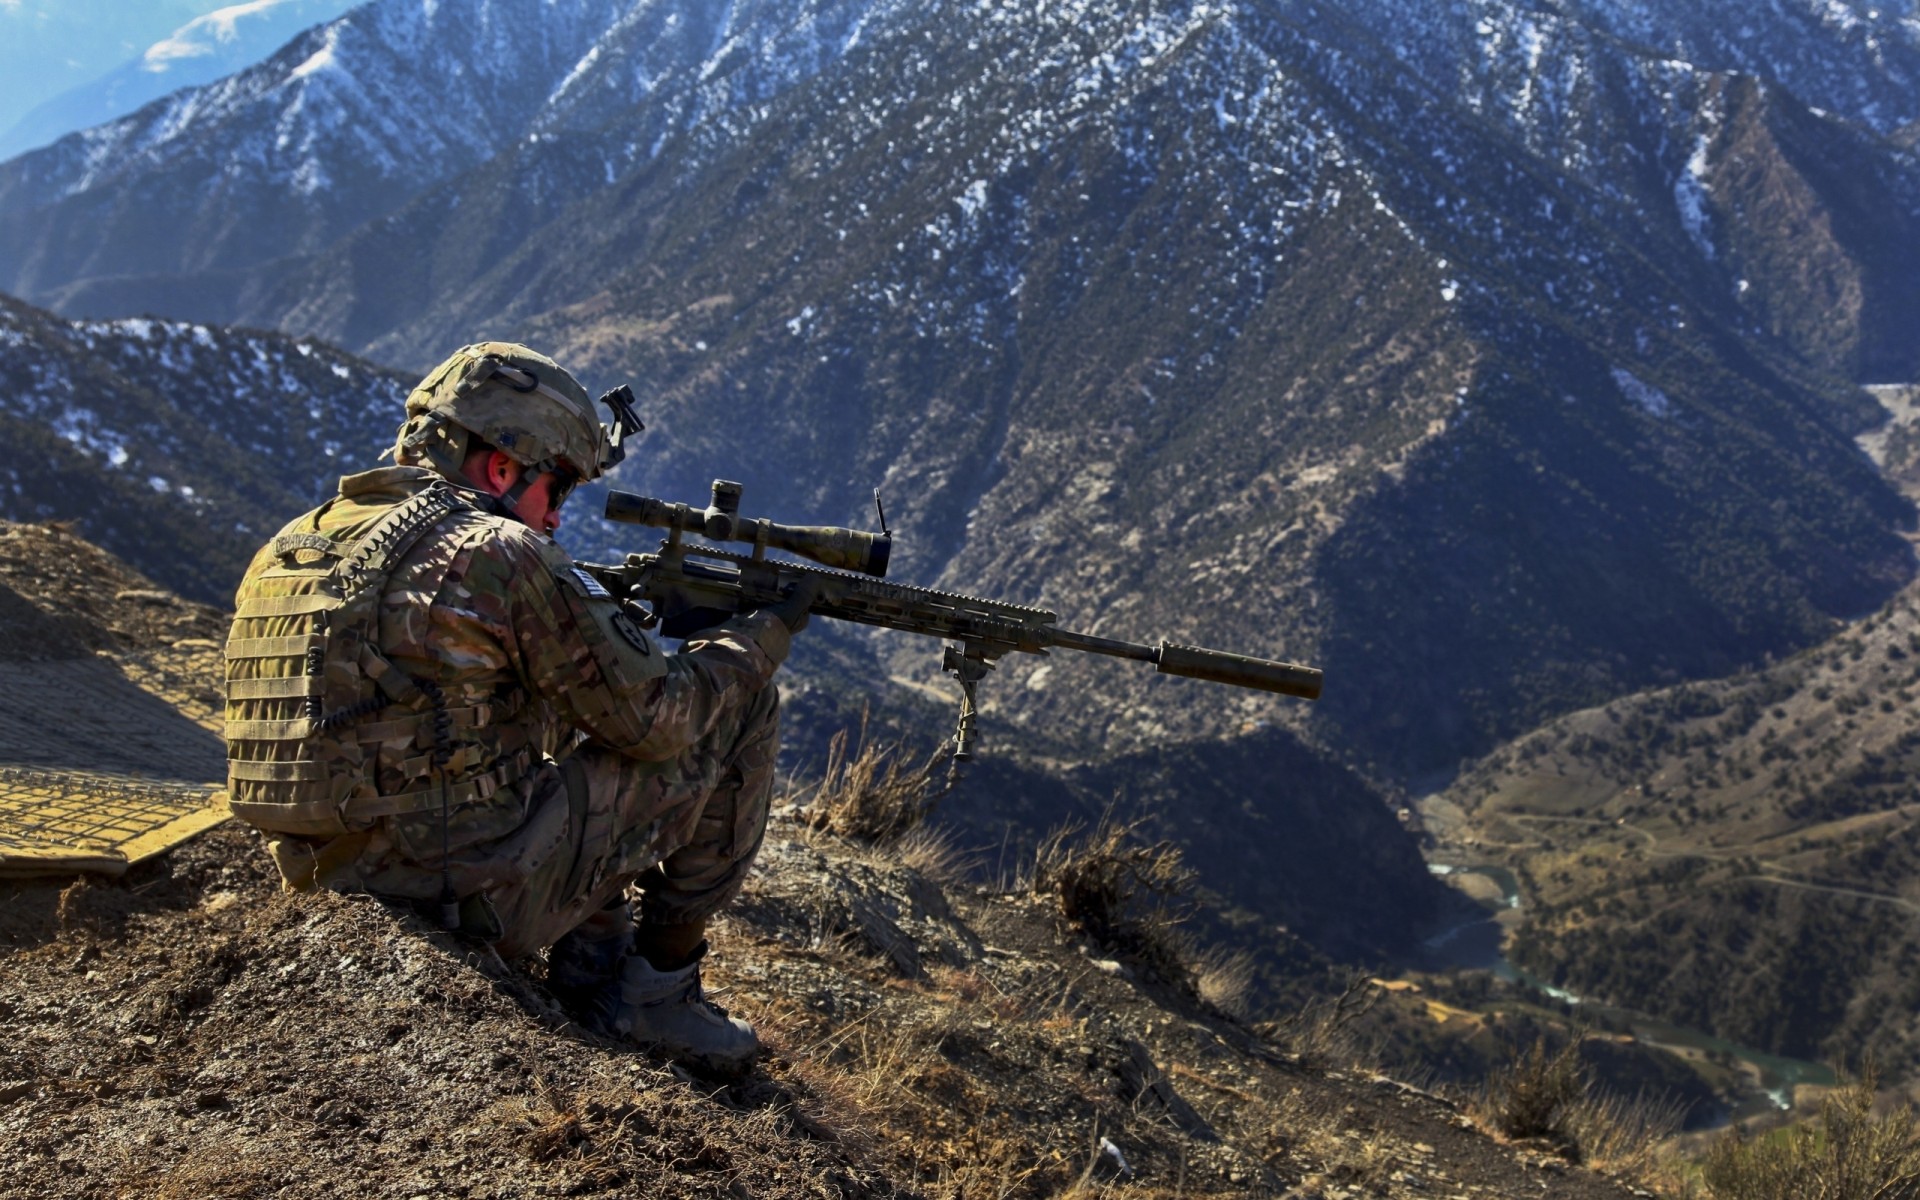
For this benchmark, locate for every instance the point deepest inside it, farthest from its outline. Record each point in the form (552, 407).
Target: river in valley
(1480, 945)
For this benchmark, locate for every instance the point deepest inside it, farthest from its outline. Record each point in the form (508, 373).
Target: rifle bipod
(968, 662)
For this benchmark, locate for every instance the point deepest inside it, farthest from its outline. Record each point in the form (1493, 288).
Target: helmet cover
(514, 398)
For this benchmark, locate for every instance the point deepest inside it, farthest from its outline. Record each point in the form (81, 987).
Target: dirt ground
(188, 1030)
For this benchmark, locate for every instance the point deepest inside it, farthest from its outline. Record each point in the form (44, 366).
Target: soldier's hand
(794, 605)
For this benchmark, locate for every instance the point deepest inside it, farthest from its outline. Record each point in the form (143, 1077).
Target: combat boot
(583, 973)
(666, 1010)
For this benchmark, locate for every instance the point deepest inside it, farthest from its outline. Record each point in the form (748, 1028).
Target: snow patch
(321, 60)
(973, 199)
(1651, 400)
(1690, 197)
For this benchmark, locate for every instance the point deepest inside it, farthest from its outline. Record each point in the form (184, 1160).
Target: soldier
(428, 701)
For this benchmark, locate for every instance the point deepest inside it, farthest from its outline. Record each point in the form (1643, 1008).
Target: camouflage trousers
(683, 832)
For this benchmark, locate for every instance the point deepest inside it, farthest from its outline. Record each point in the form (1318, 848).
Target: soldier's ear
(502, 472)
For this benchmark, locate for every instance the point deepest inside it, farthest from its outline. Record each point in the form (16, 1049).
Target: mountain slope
(1755, 829)
(203, 50)
(180, 447)
(1279, 329)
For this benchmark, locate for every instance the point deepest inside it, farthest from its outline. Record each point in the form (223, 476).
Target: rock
(1142, 1079)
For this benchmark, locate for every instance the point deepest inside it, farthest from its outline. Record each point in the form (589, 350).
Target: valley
(1736, 855)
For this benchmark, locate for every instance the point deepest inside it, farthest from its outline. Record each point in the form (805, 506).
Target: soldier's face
(539, 506)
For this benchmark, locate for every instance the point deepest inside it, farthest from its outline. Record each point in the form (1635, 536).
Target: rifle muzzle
(1240, 670)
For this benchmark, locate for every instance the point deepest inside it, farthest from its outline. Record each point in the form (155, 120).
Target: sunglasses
(564, 481)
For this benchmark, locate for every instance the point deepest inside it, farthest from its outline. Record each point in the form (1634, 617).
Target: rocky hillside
(1482, 355)
(180, 447)
(190, 1030)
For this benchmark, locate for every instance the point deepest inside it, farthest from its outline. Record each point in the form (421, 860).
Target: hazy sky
(52, 45)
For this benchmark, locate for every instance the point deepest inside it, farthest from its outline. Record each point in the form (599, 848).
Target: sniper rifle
(689, 587)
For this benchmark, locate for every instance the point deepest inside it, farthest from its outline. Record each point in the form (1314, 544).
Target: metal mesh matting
(89, 820)
(107, 759)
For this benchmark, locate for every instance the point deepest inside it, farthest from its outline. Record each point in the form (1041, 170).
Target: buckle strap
(298, 729)
(477, 790)
(247, 770)
(471, 717)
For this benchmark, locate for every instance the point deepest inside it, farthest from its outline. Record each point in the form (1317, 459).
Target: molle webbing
(362, 811)
(304, 674)
(291, 687)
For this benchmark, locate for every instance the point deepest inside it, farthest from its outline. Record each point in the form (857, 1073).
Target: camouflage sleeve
(577, 648)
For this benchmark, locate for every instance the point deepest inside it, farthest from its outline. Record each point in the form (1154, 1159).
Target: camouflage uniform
(580, 755)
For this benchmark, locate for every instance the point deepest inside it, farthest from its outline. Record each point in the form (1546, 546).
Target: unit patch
(624, 626)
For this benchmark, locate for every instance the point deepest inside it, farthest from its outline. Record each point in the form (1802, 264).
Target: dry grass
(1129, 894)
(1224, 979)
(1352, 1158)
(932, 854)
(875, 792)
(885, 1076)
(1847, 1152)
(1625, 1137)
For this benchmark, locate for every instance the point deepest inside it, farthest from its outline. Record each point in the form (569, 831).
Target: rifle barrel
(1197, 662)
(1070, 640)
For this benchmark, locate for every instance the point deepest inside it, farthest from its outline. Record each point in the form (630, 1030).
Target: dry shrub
(1321, 1034)
(875, 793)
(931, 853)
(1549, 1094)
(1847, 1152)
(1534, 1095)
(1130, 895)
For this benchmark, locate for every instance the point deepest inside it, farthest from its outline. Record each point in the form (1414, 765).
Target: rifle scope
(720, 521)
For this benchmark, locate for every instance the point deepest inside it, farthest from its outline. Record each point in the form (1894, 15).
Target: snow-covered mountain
(1498, 356)
(205, 49)
(180, 446)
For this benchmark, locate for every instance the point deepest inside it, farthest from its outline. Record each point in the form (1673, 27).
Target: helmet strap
(528, 477)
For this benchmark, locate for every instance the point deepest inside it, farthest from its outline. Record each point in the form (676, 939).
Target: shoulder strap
(375, 552)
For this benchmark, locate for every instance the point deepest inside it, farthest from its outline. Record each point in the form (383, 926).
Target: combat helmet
(519, 401)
